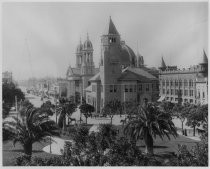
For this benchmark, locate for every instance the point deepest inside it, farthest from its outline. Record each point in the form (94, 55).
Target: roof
(89, 88)
(205, 59)
(96, 77)
(127, 54)
(111, 28)
(163, 65)
(140, 72)
(73, 71)
(76, 71)
(88, 43)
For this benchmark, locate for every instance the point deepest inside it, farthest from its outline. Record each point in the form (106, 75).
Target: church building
(122, 75)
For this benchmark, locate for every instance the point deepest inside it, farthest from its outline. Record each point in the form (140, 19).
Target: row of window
(128, 88)
(176, 99)
(199, 95)
(176, 92)
(178, 83)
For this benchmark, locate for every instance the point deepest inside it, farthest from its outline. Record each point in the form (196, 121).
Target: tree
(34, 128)
(48, 107)
(167, 107)
(149, 123)
(129, 109)
(111, 108)
(9, 91)
(67, 108)
(86, 110)
(197, 115)
(181, 112)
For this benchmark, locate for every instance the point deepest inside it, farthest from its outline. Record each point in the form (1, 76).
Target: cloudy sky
(40, 39)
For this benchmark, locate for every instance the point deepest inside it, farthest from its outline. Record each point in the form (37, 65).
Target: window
(185, 83)
(172, 83)
(163, 91)
(134, 89)
(111, 88)
(191, 83)
(115, 88)
(131, 88)
(191, 100)
(176, 92)
(199, 94)
(163, 83)
(140, 87)
(176, 82)
(126, 88)
(172, 91)
(191, 92)
(180, 82)
(147, 87)
(167, 92)
(167, 83)
(77, 83)
(111, 40)
(186, 92)
(203, 95)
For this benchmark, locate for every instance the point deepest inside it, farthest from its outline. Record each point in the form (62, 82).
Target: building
(6, 77)
(189, 85)
(77, 78)
(122, 75)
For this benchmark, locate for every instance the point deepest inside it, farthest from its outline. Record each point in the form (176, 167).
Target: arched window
(167, 82)
(185, 83)
(180, 82)
(176, 82)
(172, 83)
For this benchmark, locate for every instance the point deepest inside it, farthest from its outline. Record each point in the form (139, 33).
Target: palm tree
(34, 127)
(149, 123)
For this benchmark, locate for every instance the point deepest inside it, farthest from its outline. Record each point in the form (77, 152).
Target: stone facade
(76, 80)
(187, 82)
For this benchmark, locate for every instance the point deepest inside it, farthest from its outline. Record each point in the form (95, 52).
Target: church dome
(87, 44)
(128, 56)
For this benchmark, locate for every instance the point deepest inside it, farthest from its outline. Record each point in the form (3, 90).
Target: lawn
(160, 147)
(10, 153)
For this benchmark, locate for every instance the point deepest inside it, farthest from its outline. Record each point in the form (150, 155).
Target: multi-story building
(6, 77)
(188, 85)
(122, 75)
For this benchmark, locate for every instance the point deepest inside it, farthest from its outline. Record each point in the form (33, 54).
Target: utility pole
(16, 105)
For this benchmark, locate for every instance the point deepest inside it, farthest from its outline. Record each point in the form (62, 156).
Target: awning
(161, 98)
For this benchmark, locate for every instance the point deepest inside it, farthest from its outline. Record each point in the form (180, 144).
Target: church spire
(112, 29)
(87, 36)
(205, 59)
(163, 65)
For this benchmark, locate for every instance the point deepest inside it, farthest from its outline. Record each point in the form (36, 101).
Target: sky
(40, 38)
